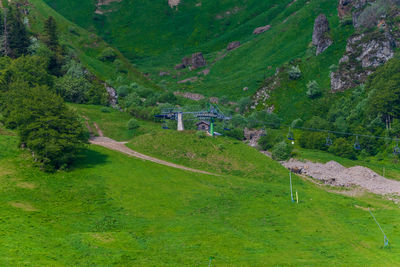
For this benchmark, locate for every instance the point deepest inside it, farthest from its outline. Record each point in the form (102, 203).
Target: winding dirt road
(121, 147)
(109, 143)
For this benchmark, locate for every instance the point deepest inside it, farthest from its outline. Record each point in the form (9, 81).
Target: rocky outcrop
(195, 61)
(364, 53)
(164, 73)
(233, 45)
(320, 38)
(112, 96)
(344, 8)
(198, 61)
(262, 29)
(252, 136)
(262, 96)
(180, 66)
(174, 3)
(192, 96)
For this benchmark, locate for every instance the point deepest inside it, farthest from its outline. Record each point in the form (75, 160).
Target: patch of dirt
(23, 206)
(191, 79)
(120, 146)
(98, 130)
(26, 185)
(334, 174)
(104, 237)
(363, 208)
(174, 3)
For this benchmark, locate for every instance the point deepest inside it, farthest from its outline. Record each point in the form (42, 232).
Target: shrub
(313, 89)
(313, 140)
(119, 66)
(281, 151)
(132, 124)
(268, 141)
(201, 134)
(105, 110)
(294, 72)
(123, 90)
(108, 54)
(236, 133)
(342, 148)
(297, 123)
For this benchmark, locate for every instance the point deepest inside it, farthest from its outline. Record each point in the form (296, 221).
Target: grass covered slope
(156, 37)
(112, 209)
(86, 45)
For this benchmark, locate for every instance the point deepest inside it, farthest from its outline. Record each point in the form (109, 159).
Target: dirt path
(333, 173)
(109, 143)
(120, 146)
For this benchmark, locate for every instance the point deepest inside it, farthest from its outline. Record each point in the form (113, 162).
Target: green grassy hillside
(112, 209)
(86, 45)
(156, 37)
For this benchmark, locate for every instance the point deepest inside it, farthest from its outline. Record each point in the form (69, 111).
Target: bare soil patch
(26, 185)
(332, 173)
(23, 206)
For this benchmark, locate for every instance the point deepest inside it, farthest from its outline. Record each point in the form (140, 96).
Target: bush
(132, 124)
(108, 54)
(313, 89)
(342, 148)
(236, 133)
(297, 123)
(201, 134)
(105, 110)
(313, 140)
(268, 141)
(123, 90)
(281, 151)
(294, 72)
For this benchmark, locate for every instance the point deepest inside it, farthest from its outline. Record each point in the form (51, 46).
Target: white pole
(291, 189)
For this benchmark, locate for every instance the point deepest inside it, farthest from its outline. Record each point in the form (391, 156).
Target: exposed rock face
(262, 29)
(192, 96)
(233, 45)
(173, 3)
(195, 61)
(198, 60)
(112, 96)
(164, 73)
(364, 53)
(180, 66)
(344, 8)
(252, 136)
(320, 37)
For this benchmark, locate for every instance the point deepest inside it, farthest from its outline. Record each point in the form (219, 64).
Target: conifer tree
(50, 34)
(17, 35)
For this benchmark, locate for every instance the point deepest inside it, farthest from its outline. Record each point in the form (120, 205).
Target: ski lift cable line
(326, 131)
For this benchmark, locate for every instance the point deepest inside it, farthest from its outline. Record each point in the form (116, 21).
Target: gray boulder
(112, 96)
(198, 61)
(320, 38)
(233, 45)
(262, 29)
(180, 66)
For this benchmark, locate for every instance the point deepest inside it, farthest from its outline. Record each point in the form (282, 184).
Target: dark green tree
(17, 34)
(50, 35)
(45, 125)
(384, 92)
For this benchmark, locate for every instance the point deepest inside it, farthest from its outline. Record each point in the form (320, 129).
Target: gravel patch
(335, 174)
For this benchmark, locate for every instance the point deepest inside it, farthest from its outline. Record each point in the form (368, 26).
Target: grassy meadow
(110, 209)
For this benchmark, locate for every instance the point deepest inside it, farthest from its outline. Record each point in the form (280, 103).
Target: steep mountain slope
(156, 37)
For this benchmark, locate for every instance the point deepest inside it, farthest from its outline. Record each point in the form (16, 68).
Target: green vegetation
(112, 209)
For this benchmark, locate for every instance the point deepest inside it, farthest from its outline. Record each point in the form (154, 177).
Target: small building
(203, 126)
